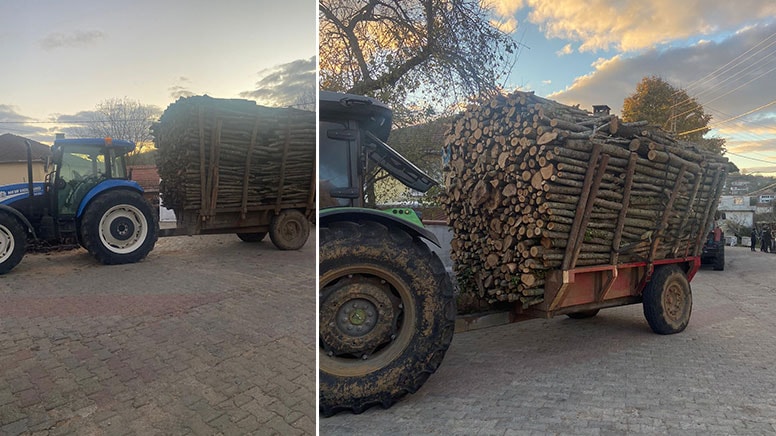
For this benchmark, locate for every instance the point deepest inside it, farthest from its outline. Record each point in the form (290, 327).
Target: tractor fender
(103, 186)
(384, 217)
(23, 219)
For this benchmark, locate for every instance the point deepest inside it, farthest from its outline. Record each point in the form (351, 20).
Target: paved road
(208, 335)
(610, 374)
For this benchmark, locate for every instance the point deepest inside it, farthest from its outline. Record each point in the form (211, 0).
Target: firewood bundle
(221, 154)
(534, 185)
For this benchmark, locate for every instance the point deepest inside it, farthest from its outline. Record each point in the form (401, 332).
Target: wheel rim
(367, 320)
(290, 229)
(123, 229)
(674, 302)
(6, 243)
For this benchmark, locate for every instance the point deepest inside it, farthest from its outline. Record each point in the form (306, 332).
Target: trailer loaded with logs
(554, 211)
(232, 166)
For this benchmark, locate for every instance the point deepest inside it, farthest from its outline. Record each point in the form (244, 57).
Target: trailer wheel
(119, 227)
(386, 319)
(667, 300)
(289, 230)
(13, 242)
(583, 314)
(252, 237)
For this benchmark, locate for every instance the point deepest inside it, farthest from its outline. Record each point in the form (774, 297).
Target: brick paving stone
(608, 374)
(170, 345)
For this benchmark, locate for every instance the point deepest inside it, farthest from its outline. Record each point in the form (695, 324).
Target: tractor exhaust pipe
(29, 170)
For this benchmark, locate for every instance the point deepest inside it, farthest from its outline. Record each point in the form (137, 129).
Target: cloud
(11, 121)
(565, 50)
(696, 69)
(78, 38)
(629, 25)
(286, 84)
(546, 82)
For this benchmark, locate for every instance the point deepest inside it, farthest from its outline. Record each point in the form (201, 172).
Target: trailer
(232, 166)
(387, 308)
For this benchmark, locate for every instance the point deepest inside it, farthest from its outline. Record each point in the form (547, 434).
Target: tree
(419, 56)
(660, 103)
(411, 53)
(121, 119)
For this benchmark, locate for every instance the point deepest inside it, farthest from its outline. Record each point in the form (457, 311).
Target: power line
(713, 73)
(73, 121)
(751, 158)
(729, 119)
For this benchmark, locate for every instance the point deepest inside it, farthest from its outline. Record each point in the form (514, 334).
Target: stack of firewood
(211, 149)
(534, 185)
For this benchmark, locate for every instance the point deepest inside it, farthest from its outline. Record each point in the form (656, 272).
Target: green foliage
(660, 103)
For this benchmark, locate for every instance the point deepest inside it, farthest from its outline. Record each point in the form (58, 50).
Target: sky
(721, 52)
(60, 59)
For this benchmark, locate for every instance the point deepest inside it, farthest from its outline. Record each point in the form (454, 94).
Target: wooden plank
(581, 205)
(624, 211)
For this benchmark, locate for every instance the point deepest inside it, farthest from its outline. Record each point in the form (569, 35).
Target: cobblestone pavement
(610, 374)
(208, 335)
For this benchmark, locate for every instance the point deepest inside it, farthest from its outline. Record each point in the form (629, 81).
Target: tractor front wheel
(13, 242)
(119, 227)
(387, 315)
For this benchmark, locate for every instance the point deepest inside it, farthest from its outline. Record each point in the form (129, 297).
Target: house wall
(16, 172)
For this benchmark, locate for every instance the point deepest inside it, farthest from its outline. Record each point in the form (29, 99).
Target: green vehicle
(387, 310)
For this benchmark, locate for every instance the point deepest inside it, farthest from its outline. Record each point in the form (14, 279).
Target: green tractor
(387, 309)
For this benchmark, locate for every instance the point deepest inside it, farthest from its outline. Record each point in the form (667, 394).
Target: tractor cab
(353, 130)
(82, 164)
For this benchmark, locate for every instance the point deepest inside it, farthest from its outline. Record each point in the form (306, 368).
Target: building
(739, 187)
(738, 209)
(13, 159)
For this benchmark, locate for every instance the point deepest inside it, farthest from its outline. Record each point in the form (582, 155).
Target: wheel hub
(358, 316)
(673, 302)
(122, 228)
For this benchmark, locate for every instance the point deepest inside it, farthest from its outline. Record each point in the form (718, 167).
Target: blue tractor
(86, 199)
(386, 304)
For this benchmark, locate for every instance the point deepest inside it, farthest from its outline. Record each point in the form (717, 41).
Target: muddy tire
(387, 315)
(119, 227)
(584, 314)
(13, 242)
(252, 237)
(667, 300)
(289, 230)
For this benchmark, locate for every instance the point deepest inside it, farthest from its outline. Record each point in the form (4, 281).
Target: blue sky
(61, 58)
(596, 51)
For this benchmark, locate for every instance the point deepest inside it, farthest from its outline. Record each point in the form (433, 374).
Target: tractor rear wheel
(289, 230)
(13, 242)
(119, 227)
(387, 315)
(252, 237)
(667, 300)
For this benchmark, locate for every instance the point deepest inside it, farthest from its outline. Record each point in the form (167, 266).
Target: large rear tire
(289, 230)
(719, 260)
(387, 315)
(119, 227)
(13, 242)
(667, 300)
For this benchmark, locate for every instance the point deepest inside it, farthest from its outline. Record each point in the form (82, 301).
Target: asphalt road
(609, 374)
(208, 335)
